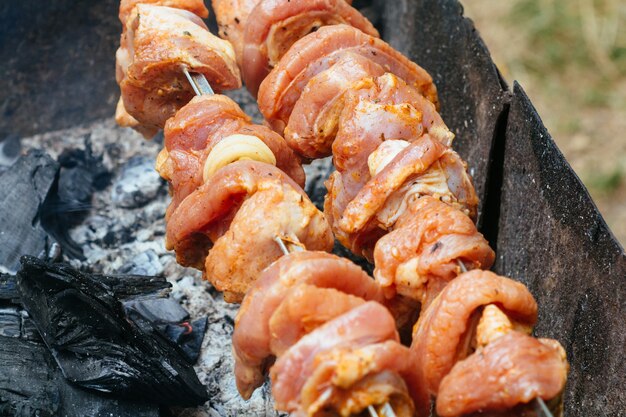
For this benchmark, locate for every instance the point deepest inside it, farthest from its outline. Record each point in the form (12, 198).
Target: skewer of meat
(224, 171)
(479, 326)
(383, 188)
(298, 305)
(399, 400)
(374, 196)
(222, 209)
(390, 149)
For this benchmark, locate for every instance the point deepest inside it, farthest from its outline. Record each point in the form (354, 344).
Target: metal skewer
(386, 411)
(199, 83)
(541, 405)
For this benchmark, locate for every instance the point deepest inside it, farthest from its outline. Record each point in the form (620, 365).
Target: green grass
(606, 182)
(570, 38)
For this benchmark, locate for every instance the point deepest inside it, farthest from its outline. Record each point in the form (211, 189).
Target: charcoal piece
(24, 188)
(31, 384)
(472, 94)
(8, 288)
(188, 336)
(137, 184)
(159, 311)
(95, 344)
(10, 322)
(81, 174)
(131, 287)
(173, 321)
(552, 238)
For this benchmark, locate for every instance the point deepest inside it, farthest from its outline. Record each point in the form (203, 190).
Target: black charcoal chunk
(24, 188)
(553, 239)
(159, 310)
(31, 384)
(137, 184)
(8, 288)
(97, 346)
(130, 287)
(10, 322)
(82, 172)
(168, 316)
(188, 336)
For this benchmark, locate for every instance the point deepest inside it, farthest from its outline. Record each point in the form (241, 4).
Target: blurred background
(570, 57)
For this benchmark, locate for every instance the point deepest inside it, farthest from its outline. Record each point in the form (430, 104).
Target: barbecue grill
(59, 80)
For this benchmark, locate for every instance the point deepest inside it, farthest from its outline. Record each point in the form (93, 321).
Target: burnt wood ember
(8, 288)
(94, 343)
(552, 238)
(81, 173)
(31, 383)
(24, 188)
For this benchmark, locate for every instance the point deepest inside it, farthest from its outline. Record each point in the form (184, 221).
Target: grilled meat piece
(196, 7)
(124, 119)
(512, 370)
(313, 122)
(444, 331)
(424, 247)
(380, 109)
(197, 128)
(161, 41)
(232, 16)
(305, 308)
(367, 324)
(252, 337)
(445, 179)
(338, 375)
(248, 246)
(275, 25)
(318, 51)
(412, 161)
(227, 211)
(374, 390)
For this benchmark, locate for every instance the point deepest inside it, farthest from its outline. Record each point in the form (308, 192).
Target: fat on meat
(339, 370)
(412, 161)
(373, 390)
